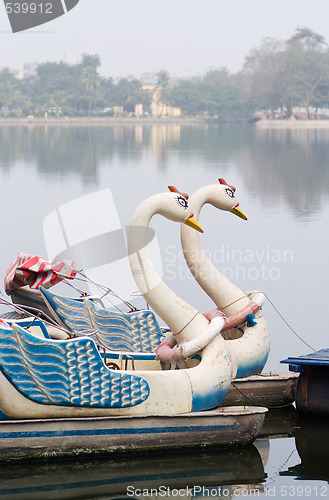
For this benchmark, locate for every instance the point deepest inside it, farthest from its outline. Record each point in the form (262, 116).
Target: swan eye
(182, 202)
(229, 192)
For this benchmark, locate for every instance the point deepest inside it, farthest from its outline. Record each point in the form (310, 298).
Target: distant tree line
(278, 75)
(62, 89)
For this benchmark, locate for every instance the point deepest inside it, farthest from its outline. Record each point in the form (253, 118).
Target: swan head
(222, 196)
(176, 208)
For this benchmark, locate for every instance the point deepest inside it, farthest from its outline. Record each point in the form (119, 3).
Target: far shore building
(118, 110)
(158, 107)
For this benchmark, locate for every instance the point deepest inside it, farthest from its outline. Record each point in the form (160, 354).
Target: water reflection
(219, 473)
(312, 438)
(275, 164)
(280, 422)
(290, 164)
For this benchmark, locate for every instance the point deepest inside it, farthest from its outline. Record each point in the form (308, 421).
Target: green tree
(55, 100)
(90, 61)
(52, 77)
(163, 88)
(90, 80)
(221, 95)
(307, 39)
(187, 95)
(18, 102)
(263, 71)
(9, 85)
(308, 63)
(127, 94)
(283, 75)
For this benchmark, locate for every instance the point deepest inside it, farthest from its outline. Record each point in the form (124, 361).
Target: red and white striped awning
(35, 271)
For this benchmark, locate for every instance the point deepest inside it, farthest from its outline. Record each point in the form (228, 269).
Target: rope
(186, 324)
(286, 322)
(236, 300)
(254, 403)
(244, 395)
(277, 311)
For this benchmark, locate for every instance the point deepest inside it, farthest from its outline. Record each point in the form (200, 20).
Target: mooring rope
(286, 322)
(278, 312)
(244, 395)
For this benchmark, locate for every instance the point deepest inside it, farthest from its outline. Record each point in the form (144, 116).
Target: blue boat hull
(22, 439)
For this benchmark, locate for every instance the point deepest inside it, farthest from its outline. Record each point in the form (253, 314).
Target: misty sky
(185, 37)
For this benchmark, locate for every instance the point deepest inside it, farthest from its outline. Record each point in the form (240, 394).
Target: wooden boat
(266, 389)
(117, 476)
(40, 438)
(312, 392)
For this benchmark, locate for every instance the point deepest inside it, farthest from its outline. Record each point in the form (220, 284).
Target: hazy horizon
(186, 38)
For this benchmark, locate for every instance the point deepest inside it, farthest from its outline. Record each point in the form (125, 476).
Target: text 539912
(29, 8)
(297, 491)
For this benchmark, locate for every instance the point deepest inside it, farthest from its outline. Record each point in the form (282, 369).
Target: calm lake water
(282, 181)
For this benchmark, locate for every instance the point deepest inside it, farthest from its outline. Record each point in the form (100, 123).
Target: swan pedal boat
(122, 351)
(56, 411)
(67, 384)
(249, 347)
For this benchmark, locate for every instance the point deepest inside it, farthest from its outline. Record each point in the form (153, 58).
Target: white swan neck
(184, 320)
(227, 296)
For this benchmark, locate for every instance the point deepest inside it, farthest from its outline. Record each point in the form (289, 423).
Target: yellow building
(118, 110)
(158, 108)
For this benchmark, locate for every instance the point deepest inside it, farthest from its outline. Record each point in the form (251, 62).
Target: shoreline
(291, 124)
(100, 121)
(132, 121)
